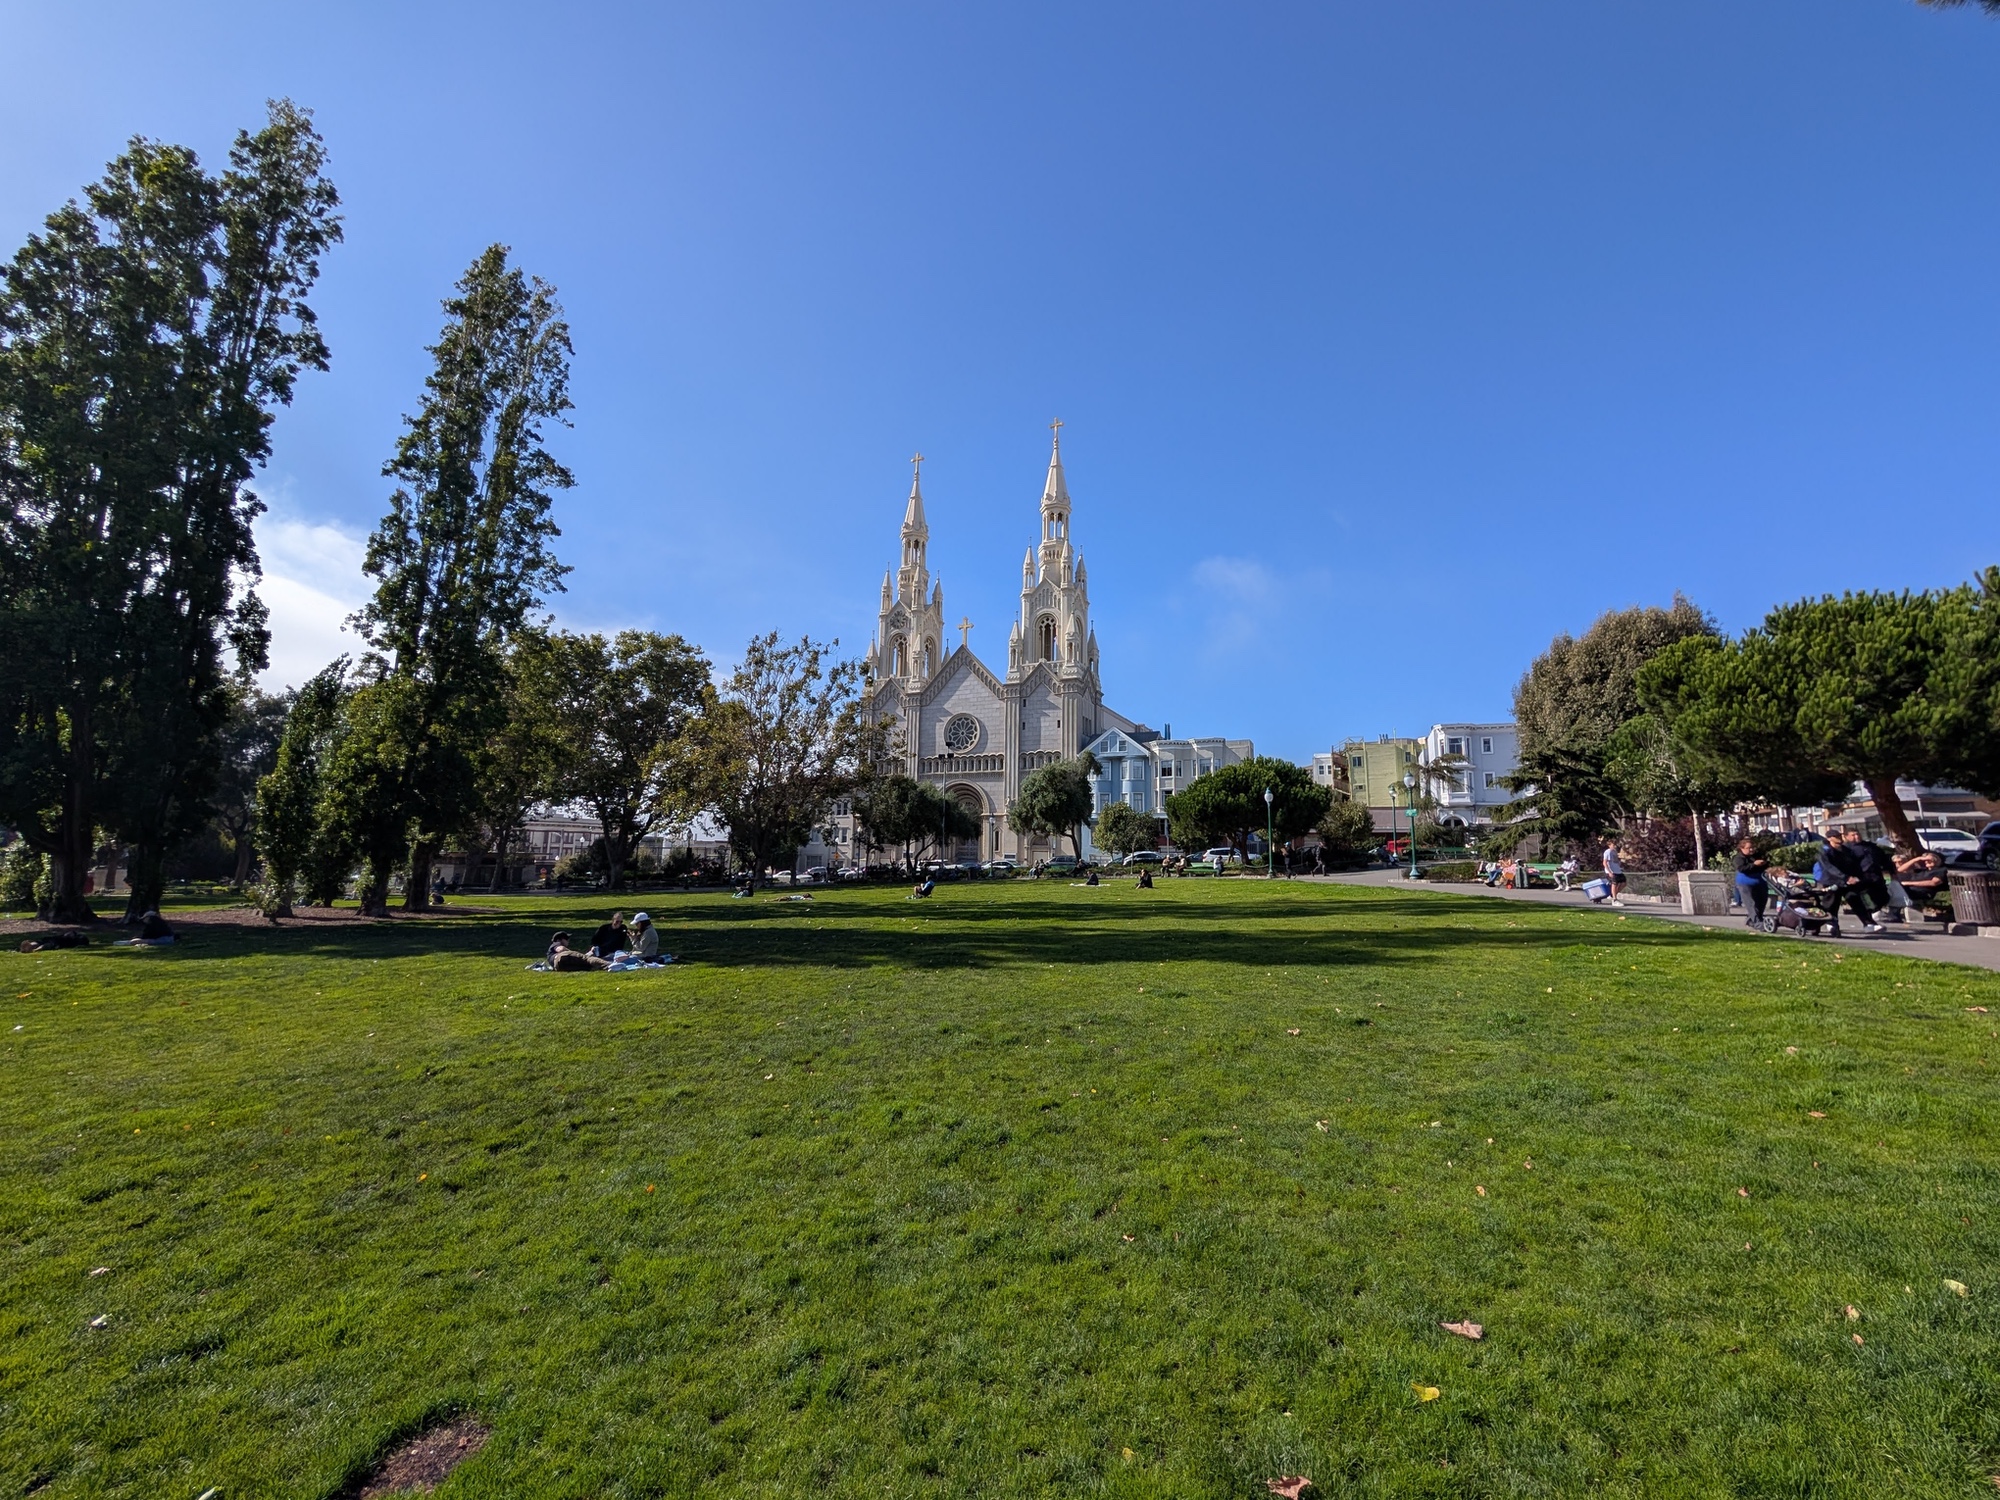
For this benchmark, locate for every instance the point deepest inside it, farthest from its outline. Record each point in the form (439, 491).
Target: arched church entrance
(972, 850)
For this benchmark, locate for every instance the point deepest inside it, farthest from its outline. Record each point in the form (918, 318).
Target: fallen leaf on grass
(649, 1187)
(1291, 1031)
(1958, 1286)
(1853, 1313)
(100, 1320)
(1977, 1010)
(1127, 1453)
(1481, 1191)
(1815, 1114)
(1466, 1330)
(1857, 1338)
(1743, 1192)
(1320, 1123)
(1290, 1488)
(1130, 1238)
(1791, 1052)
(101, 1271)
(1425, 1392)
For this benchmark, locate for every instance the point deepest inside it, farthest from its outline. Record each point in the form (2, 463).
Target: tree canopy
(146, 334)
(1122, 829)
(778, 741)
(1867, 687)
(1055, 801)
(1227, 805)
(463, 555)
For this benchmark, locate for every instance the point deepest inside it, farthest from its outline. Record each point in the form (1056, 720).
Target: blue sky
(1390, 340)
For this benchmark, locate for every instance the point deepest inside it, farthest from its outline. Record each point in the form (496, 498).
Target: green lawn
(1024, 1190)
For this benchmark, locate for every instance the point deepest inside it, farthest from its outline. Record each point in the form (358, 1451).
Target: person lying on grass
(564, 959)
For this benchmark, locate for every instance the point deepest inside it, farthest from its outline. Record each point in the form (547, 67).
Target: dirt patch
(420, 1465)
(111, 930)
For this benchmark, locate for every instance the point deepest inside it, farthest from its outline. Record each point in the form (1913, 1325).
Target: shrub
(23, 875)
(1347, 833)
(1465, 870)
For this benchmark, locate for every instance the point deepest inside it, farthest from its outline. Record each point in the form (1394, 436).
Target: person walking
(1840, 873)
(1614, 871)
(1750, 881)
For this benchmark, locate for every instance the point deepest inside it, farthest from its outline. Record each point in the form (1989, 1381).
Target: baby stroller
(1799, 906)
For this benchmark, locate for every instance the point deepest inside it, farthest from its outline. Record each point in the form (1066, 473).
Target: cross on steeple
(917, 463)
(1056, 428)
(964, 631)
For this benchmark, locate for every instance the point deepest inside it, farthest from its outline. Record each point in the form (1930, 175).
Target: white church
(956, 723)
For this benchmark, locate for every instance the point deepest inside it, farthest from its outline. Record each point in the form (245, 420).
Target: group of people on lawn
(612, 943)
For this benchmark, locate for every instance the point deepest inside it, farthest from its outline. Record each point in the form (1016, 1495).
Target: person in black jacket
(1750, 882)
(1874, 867)
(1840, 874)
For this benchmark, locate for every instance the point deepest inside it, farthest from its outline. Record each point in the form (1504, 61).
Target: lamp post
(1410, 813)
(1270, 871)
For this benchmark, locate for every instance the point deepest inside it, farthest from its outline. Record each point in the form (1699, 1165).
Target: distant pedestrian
(1874, 868)
(1614, 871)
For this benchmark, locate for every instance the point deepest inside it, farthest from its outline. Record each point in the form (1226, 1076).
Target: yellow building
(1375, 770)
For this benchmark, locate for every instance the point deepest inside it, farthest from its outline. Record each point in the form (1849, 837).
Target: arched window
(901, 661)
(1048, 638)
(930, 657)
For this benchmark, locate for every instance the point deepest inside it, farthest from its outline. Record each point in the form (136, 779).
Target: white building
(957, 723)
(1488, 752)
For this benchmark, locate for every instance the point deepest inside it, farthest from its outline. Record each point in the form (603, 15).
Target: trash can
(1704, 893)
(1972, 897)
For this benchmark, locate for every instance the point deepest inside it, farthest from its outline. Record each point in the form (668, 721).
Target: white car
(1953, 845)
(1221, 856)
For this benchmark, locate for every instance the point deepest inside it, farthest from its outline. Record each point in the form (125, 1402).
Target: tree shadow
(971, 928)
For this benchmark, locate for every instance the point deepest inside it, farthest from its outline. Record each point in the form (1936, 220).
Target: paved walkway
(1920, 940)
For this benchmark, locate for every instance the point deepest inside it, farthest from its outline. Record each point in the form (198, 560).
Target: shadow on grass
(863, 931)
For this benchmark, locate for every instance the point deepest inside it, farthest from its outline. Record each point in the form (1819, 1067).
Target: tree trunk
(1889, 808)
(417, 894)
(69, 862)
(375, 892)
(1700, 849)
(243, 853)
(146, 881)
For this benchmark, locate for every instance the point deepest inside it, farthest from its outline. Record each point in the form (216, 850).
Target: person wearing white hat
(645, 940)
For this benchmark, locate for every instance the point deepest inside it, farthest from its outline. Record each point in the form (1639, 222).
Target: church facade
(953, 720)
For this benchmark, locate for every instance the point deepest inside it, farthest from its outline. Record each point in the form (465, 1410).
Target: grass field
(1023, 1190)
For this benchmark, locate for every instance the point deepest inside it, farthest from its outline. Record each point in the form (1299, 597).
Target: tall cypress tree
(146, 334)
(463, 556)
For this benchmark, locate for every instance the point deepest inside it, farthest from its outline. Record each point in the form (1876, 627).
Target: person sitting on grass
(612, 938)
(153, 932)
(1145, 878)
(1092, 880)
(645, 937)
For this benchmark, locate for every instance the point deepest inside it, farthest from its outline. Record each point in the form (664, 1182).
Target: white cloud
(1238, 595)
(312, 582)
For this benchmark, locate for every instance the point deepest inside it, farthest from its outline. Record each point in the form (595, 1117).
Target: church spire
(1055, 493)
(914, 524)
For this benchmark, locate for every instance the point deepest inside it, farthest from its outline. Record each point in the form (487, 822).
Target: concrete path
(1917, 940)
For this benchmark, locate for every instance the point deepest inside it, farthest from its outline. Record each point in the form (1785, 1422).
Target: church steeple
(912, 620)
(1055, 601)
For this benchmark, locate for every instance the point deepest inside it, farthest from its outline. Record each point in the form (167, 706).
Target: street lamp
(1410, 812)
(1270, 872)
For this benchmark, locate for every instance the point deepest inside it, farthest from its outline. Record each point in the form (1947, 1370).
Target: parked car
(1006, 864)
(1954, 845)
(1142, 857)
(1060, 864)
(1989, 842)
